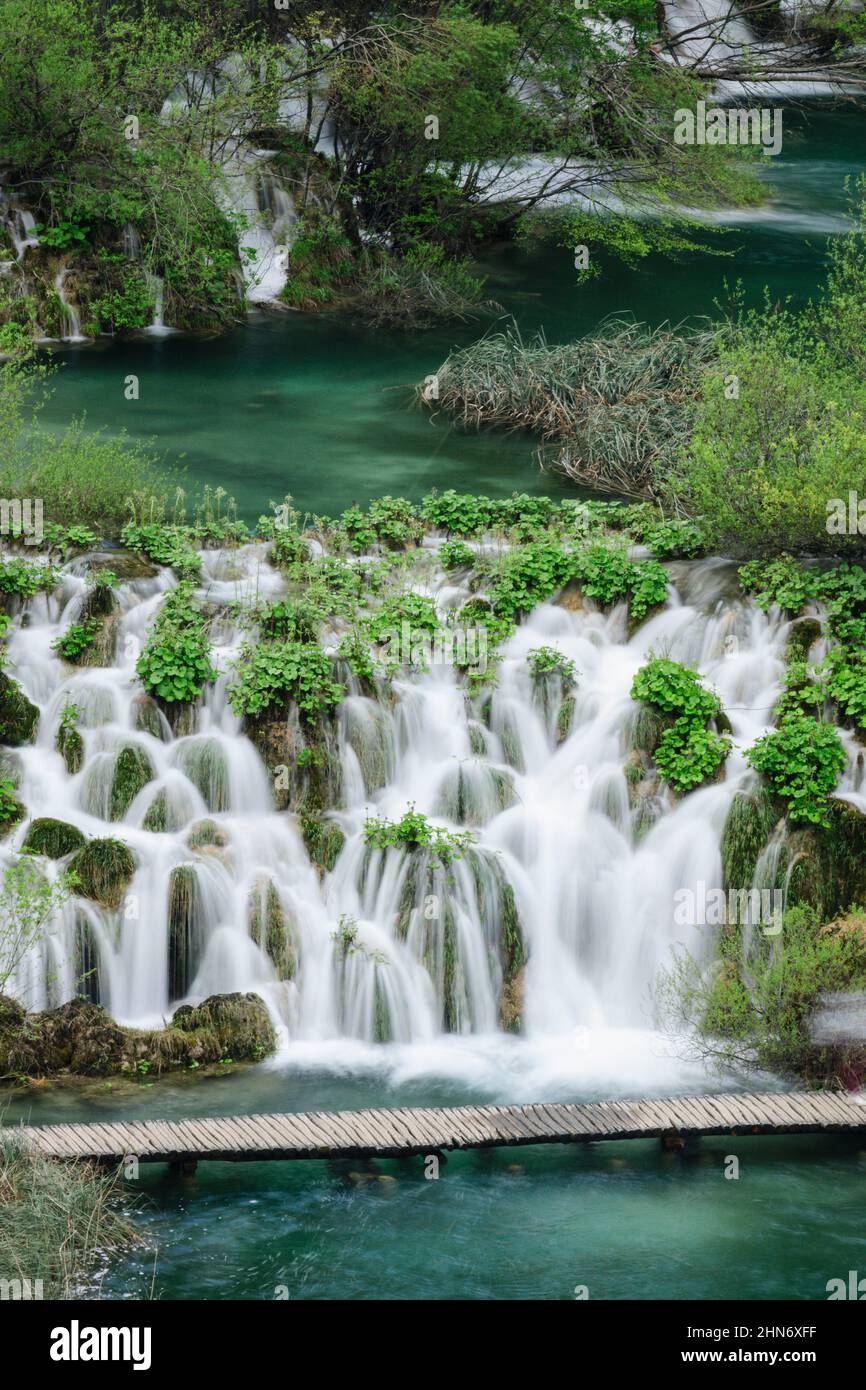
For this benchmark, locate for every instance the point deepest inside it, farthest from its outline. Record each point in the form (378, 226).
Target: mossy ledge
(104, 869)
(18, 717)
(82, 1039)
(52, 838)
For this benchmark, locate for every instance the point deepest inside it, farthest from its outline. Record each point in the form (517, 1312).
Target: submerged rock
(18, 717)
(148, 718)
(53, 838)
(104, 869)
(203, 761)
(206, 835)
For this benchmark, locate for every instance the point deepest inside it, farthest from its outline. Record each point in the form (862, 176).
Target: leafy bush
(455, 555)
(77, 639)
(687, 753)
(414, 831)
(24, 580)
(175, 663)
(674, 539)
(529, 574)
(801, 761)
(545, 661)
(277, 673)
(461, 514)
(846, 683)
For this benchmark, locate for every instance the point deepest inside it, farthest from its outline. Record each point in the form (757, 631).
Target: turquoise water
(625, 1219)
(322, 409)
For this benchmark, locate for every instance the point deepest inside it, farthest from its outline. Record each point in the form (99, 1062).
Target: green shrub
(414, 831)
(687, 753)
(175, 663)
(77, 639)
(545, 661)
(801, 761)
(455, 555)
(24, 580)
(274, 674)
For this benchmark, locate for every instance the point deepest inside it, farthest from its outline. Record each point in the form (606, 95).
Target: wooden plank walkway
(391, 1133)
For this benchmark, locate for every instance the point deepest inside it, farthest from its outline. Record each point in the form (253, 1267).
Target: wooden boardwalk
(392, 1133)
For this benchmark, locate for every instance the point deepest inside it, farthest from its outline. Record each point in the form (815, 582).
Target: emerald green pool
(323, 409)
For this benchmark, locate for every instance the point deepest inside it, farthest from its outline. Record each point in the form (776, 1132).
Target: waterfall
(710, 34)
(266, 214)
(561, 912)
(70, 317)
(157, 328)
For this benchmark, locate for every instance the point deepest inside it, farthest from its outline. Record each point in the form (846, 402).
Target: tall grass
(82, 477)
(610, 408)
(58, 1221)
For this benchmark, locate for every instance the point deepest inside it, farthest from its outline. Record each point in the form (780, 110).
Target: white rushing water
(593, 876)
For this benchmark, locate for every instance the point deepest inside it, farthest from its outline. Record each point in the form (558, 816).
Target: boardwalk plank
(322, 1134)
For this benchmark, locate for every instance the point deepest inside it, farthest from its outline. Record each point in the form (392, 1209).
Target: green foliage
(24, 580)
(545, 661)
(29, 905)
(801, 761)
(767, 462)
(77, 639)
(528, 575)
(758, 1013)
(674, 538)
(11, 810)
(781, 581)
(418, 610)
(85, 479)
(460, 514)
(274, 674)
(414, 831)
(175, 663)
(687, 753)
(455, 555)
(845, 675)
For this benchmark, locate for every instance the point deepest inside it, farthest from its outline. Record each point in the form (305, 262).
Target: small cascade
(69, 313)
(157, 328)
(265, 213)
(711, 35)
(131, 242)
(19, 223)
(556, 917)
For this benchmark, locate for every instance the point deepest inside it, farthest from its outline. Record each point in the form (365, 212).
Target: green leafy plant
(77, 639)
(414, 831)
(175, 663)
(545, 661)
(687, 753)
(801, 761)
(274, 674)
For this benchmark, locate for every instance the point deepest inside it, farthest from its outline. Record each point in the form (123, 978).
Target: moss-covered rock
(473, 792)
(18, 717)
(132, 771)
(648, 727)
(104, 869)
(271, 928)
(81, 1038)
(148, 718)
(323, 838)
(228, 1025)
(53, 838)
(70, 746)
(207, 835)
(203, 761)
(185, 942)
(803, 635)
(511, 1003)
(750, 822)
(303, 763)
(126, 564)
(827, 864)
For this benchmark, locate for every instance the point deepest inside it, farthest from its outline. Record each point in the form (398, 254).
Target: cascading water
(391, 945)
(71, 319)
